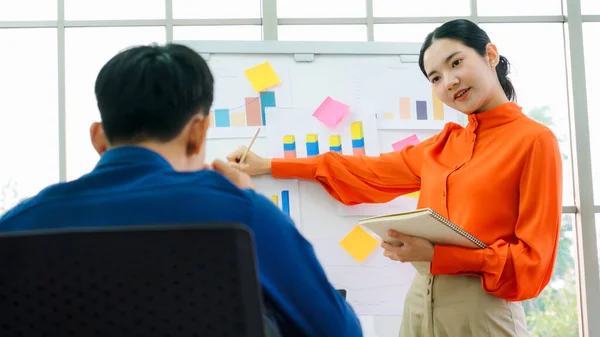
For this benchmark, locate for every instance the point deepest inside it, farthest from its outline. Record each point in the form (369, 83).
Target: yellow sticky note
(262, 76)
(413, 195)
(359, 244)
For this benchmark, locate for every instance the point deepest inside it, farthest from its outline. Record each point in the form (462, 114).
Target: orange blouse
(499, 178)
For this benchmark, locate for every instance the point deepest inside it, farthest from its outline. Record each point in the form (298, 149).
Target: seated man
(154, 103)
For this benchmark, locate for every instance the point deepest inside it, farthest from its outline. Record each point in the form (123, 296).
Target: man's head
(156, 97)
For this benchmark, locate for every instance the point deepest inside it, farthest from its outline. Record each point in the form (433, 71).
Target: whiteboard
(385, 89)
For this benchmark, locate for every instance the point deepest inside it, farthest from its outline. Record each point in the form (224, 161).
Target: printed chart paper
(377, 286)
(283, 192)
(408, 104)
(238, 110)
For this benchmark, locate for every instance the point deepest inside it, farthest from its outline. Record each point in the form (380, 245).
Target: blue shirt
(135, 186)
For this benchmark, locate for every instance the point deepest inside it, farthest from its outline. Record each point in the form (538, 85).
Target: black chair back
(136, 281)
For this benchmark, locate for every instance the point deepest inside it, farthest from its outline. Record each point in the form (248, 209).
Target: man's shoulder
(189, 192)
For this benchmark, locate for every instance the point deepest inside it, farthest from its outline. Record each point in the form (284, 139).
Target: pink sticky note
(331, 112)
(411, 140)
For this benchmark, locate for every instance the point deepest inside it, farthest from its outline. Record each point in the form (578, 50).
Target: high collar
(132, 155)
(500, 115)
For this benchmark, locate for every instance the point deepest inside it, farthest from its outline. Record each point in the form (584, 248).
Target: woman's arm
(521, 269)
(359, 179)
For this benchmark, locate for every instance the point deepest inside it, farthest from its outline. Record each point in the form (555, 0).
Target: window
(517, 7)
(211, 9)
(87, 50)
(559, 298)
(322, 9)
(597, 220)
(395, 8)
(238, 33)
(114, 9)
(24, 10)
(323, 33)
(545, 101)
(592, 70)
(406, 32)
(28, 113)
(590, 7)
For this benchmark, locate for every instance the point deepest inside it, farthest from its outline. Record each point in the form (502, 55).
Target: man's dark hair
(151, 92)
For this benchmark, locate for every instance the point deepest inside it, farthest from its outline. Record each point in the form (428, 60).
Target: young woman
(499, 178)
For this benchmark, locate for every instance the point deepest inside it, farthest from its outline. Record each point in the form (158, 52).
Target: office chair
(145, 281)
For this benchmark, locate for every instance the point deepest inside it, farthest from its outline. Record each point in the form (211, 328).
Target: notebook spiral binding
(457, 229)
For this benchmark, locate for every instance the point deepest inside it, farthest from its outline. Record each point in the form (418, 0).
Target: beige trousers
(457, 306)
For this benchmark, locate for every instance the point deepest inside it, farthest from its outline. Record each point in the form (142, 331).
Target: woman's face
(461, 78)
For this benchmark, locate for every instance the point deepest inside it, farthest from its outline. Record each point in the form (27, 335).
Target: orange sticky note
(262, 76)
(359, 243)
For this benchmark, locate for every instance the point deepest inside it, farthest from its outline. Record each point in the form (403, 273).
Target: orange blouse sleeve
(359, 179)
(519, 268)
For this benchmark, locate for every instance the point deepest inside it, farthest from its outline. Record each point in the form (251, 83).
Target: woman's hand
(253, 164)
(409, 249)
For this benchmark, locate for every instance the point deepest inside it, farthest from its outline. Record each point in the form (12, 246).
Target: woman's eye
(435, 79)
(456, 63)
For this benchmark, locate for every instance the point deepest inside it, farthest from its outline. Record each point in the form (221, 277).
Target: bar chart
(313, 148)
(308, 137)
(283, 201)
(284, 193)
(252, 114)
(417, 114)
(243, 120)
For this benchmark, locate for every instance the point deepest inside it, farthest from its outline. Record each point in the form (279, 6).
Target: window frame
(583, 208)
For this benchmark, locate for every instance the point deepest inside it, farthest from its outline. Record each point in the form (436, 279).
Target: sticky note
(359, 244)
(262, 76)
(411, 140)
(414, 195)
(331, 112)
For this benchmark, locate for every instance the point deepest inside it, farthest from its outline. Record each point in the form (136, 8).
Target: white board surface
(383, 92)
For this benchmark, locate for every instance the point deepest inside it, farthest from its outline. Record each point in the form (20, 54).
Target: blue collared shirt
(135, 186)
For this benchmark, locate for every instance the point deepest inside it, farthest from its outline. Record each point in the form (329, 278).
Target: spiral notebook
(424, 223)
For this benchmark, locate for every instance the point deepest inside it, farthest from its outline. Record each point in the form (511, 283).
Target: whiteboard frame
(305, 51)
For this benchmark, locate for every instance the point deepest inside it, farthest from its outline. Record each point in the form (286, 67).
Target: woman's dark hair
(469, 34)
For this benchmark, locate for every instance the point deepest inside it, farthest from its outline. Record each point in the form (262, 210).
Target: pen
(249, 147)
